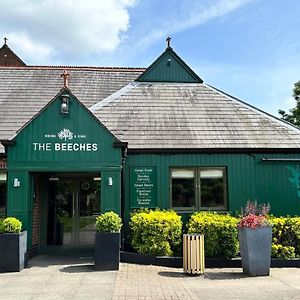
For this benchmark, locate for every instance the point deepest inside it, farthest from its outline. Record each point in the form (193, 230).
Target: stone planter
(107, 251)
(255, 250)
(13, 251)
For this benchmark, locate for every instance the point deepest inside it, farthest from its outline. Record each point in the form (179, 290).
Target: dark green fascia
(159, 70)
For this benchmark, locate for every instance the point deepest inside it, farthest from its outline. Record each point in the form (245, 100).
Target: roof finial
(65, 75)
(5, 40)
(168, 40)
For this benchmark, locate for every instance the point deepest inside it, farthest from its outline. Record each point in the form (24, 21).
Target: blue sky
(248, 48)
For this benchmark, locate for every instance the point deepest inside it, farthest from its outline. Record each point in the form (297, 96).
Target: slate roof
(190, 116)
(26, 90)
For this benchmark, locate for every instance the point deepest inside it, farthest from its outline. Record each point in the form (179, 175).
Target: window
(2, 194)
(198, 188)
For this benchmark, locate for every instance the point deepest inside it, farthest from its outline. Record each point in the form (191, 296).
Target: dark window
(2, 194)
(183, 188)
(199, 188)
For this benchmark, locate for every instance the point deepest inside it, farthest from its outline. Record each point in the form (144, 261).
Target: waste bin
(193, 253)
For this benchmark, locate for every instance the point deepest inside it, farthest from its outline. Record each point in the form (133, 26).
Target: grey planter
(13, 251)
(255, 250)
(107, 251)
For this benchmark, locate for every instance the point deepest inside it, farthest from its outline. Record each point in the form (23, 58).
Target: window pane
(2, 194)
(212, 188)
(183, 188)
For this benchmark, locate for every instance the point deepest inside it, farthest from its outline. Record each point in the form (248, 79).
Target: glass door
(73, 204)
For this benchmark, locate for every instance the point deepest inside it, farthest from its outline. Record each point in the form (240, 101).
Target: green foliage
(220, 233)
(1, 226)
(11, 225)
(155, 232)
(108, 222)
(293, 116)
(286, 232)
(283, 252)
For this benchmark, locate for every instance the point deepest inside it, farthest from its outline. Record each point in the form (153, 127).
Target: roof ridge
(255, 109)
(76, 67)
(113, 96)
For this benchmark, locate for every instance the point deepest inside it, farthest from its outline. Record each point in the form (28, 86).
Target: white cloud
(69, 27)
(29, 47)
(191, 14)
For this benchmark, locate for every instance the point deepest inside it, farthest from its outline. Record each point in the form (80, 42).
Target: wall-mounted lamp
(65, 103)
(16, 182)
(110, 181)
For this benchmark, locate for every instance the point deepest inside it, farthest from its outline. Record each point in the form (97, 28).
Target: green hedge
(220, 233)
(155, 232)
(286, 237)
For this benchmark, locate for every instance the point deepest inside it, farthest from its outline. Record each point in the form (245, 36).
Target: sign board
(65, 140)
(143, 187)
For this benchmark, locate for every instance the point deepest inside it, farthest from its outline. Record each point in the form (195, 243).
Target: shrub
(155, 232)
(1, 226)
(286, 232)
(283, 252)
(12, 225)
(220, 233)
(108, 222)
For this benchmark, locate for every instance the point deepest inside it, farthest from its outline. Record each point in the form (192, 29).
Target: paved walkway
(60, 278)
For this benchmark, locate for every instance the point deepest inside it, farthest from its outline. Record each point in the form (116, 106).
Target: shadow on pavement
(44, 261)
(224, 275)
(172, 274)
(78, 269)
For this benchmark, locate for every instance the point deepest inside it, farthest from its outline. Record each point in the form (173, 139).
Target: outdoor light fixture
(65, 103)
(110, 181)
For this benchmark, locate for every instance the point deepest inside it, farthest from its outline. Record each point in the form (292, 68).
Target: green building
(102, 139)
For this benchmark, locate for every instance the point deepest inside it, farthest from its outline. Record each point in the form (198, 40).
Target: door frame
(44, 202)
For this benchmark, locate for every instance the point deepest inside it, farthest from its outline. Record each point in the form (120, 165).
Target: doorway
(73, 203)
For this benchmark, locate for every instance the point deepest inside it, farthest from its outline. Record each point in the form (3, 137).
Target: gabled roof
(26, 90)
(191, 116)
(64, 90)
(8, 58)
(169, 67)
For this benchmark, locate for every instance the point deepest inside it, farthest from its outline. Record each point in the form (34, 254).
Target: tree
(293, 116)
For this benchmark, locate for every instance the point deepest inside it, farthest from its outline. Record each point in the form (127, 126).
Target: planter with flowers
(255, 239)
(107, 241)
(13, 245)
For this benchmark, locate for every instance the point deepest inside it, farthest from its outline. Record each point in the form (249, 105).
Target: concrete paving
(75, 278)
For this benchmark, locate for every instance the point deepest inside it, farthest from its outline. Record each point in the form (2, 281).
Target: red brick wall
(9, 59)
(2, 164)
(36, 214)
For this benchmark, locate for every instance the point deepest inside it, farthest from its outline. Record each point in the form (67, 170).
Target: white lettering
(65, 147)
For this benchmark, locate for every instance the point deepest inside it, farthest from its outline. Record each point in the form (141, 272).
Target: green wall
(248, 177)
(41, 147)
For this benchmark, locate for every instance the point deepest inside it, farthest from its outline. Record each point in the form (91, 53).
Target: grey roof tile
(191, 116)
(25, 91)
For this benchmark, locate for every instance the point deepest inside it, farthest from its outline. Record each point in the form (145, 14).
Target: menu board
(143, 188)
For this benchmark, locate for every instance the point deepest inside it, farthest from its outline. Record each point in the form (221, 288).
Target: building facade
(127, 138)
